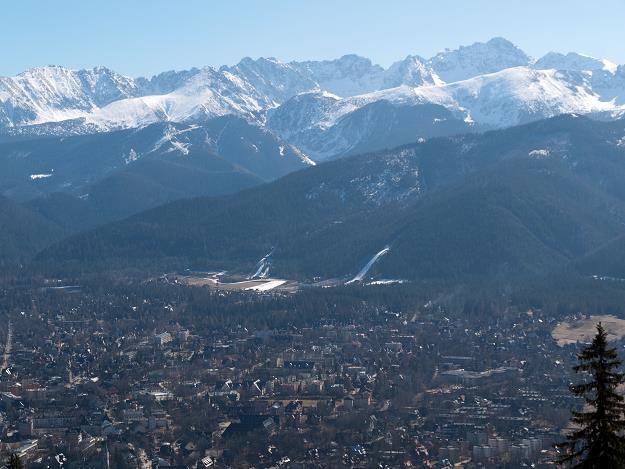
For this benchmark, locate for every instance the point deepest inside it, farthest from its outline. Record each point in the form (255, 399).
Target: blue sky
(143, 37)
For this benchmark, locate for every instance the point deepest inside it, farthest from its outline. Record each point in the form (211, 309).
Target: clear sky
(143, 37)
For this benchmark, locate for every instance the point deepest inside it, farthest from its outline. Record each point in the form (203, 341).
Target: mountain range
(222, 155)
(529, 200)
(321, 106)
(478, 162)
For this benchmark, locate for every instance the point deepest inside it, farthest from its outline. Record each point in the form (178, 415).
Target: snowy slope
(573, 61)
(518, 95)
(271, 78)
(348, 76)
(205, 95)
(361, 274)
(320, 123)
(477, 59)
(324, 125)
(412, 71)
(54, 93)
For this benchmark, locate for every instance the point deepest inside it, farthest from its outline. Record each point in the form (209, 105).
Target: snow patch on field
(36, 177)
(542, 153)
(386, 282)
(267, 286)
(132, 156)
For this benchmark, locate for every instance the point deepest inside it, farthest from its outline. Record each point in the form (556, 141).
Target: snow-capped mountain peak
(413, 71)
(518, 95)
(478, 59)
(166, 82)
(347, 76)
(573, 61)
(55, 93)
(272, 78)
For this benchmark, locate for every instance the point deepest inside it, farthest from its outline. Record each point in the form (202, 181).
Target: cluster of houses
(400, 389)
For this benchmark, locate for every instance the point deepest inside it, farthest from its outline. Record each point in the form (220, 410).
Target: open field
(258, 285)
(583, 330)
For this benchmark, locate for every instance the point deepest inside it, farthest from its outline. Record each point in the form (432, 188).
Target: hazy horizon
(145, 38)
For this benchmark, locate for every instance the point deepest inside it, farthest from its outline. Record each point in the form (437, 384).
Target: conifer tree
(597, 439)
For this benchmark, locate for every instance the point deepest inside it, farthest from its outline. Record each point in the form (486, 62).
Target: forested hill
(528, 199)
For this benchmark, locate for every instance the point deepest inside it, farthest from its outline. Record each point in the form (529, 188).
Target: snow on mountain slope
(477, 59)
(500, 99)
(573, 61)
(166, 82)
(325, 126)
(304, 111)
(456, 65)
(492, 84)
(272, 78)
(323, 110)
(412, 71)
(109, 101)
(207, 94)
(317, 112)
(518, 95)
(611, 86)
(54, 93)
(608, 79)
(348, 76)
